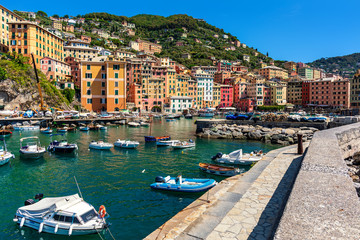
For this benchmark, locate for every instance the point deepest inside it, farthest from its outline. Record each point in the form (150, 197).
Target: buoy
(22, 222)
(143, 171)
(41, 227)
(56, 228)
(182, 152)
(70, 230)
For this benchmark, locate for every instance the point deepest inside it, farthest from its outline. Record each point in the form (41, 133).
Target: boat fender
(41, 227)
(56, 228)
(70, 230)
(102, 211)
(22, 222)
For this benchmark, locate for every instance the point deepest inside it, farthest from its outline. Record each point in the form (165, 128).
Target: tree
(3, 74)
(66, 16)
(68, 94)
(55, 16)
(41, 14)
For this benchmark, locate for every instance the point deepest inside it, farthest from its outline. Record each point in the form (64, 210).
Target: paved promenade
(247, 206)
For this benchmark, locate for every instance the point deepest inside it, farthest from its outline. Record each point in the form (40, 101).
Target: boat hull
(32, 155)
(100, 147)
(50, 227)
(244, 162)
(203, 184)
(64, 150)
(156, 139)
(216, 170)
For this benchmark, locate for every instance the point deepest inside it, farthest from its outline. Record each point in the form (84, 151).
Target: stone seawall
(207, 123)
(323, 203)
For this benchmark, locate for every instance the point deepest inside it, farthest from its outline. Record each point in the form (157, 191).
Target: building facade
(75, 70)
(55, 70)
(6, 16)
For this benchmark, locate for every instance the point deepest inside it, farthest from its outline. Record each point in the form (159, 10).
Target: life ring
(102, 211)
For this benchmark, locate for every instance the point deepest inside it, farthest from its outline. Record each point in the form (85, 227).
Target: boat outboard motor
(39, 196)
(29, 202)
(218, 155)
(159, 179)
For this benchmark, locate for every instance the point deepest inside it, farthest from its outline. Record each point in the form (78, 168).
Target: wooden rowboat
(218, 170)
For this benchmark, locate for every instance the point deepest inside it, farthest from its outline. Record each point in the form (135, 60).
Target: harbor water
(118, 179)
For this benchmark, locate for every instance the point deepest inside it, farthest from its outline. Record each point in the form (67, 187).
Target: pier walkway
(246, 206)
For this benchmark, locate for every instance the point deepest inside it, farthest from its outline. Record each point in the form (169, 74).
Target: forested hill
(343, 65)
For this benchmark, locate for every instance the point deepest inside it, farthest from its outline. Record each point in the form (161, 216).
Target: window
(88, 92)
(103, 100)
(116, 101)
(116, 92)
(103, 68)
(102, 92)
(25, 42)
(88, 84)
(87, 67)
(88, 75)
(89, 100)
(116, 75)
(116, 84)
(116, 67)
(103, 76)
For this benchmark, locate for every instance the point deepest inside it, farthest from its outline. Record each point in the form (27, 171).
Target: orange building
(103, 84)
(28, 37)
(6, 16)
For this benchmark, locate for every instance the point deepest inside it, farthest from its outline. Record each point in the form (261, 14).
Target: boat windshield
(89, 215)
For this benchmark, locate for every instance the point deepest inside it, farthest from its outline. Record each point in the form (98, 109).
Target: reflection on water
(118, 179)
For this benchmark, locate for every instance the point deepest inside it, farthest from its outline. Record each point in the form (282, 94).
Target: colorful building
(227, 94)
(205, 89)
(75, 70)
(245, 105)
(6, 16)
(278, 92)
(306, 73)
(216, 94)
(154, 94)
(27, 37)
(79, 49)
(355, 90)
(219, 77)
(290, 67)
(294, 92)
(305, 93)
(182, 85)
(270, 72)
(55, 70)
(179, 104)
(103, 85)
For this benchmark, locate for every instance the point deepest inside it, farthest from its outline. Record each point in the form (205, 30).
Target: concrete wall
(323, 203)
(207, 123)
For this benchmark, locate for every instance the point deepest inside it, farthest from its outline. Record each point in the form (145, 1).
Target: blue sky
(289, 30)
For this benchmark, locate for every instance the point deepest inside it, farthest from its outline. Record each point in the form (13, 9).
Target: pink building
(239, 68)
(226, 96)
(240, 91)
(224, 65)
(134, 95)
(245, 105)
(55, 70)
(267, 95)
(328, 92)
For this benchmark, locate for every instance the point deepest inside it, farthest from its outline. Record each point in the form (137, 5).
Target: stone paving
(247, 206)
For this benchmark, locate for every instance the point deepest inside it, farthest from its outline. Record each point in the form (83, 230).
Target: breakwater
(276, 135)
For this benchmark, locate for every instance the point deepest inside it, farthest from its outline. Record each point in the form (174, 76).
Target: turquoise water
(112, 178)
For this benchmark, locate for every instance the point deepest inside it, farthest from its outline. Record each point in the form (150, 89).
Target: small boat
(46, 130)
(100, 145)
(85, 129)
(126, 144)
(5, 133)
(180, 184)
(5, 156)
(188, 116)
(219, 170)
(68, 215)
(134, 124)
(156, 139)
(62, 130)
(144, 124)
(101, 127)
(166, 143)
(26, 128)
(170, 119)
(237, 157)
(71, 129)
(184, 144)
(172, 116)
(62, 147)
(31, 148)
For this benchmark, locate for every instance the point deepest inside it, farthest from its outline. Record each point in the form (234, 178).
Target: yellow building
(278, 92)
(216, 94)
(182, 85)
(57, 25)
(79, 49)
(6, 16)
(270, 72)
(290, 66)
(103, 86)
(27, 37)
(316, 74)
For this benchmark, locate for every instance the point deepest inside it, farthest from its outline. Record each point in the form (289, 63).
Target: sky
(288, 30)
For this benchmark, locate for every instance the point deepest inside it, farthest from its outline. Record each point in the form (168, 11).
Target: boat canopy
(46, 205)
(236, 154)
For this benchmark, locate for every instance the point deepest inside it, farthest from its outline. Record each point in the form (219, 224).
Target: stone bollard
(300, 144)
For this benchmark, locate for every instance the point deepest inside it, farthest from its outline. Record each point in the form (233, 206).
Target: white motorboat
(69, 215)
(85, 129)
(166, 143)
(101, 127)
(27, 128)
(126, 144)
(184, 144)
(5, 156)
(62, 147)
(30, 147)
(100, 145)
(237, 157)
(144, 124)
(134, 124)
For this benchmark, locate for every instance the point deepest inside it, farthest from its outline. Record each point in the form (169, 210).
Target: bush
(68, 94)
(3, 74)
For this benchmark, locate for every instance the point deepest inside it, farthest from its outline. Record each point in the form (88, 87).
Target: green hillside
(343, 65)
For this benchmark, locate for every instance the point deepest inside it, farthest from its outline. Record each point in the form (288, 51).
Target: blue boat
(180, 184)
(156, 139)
(46, 130)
